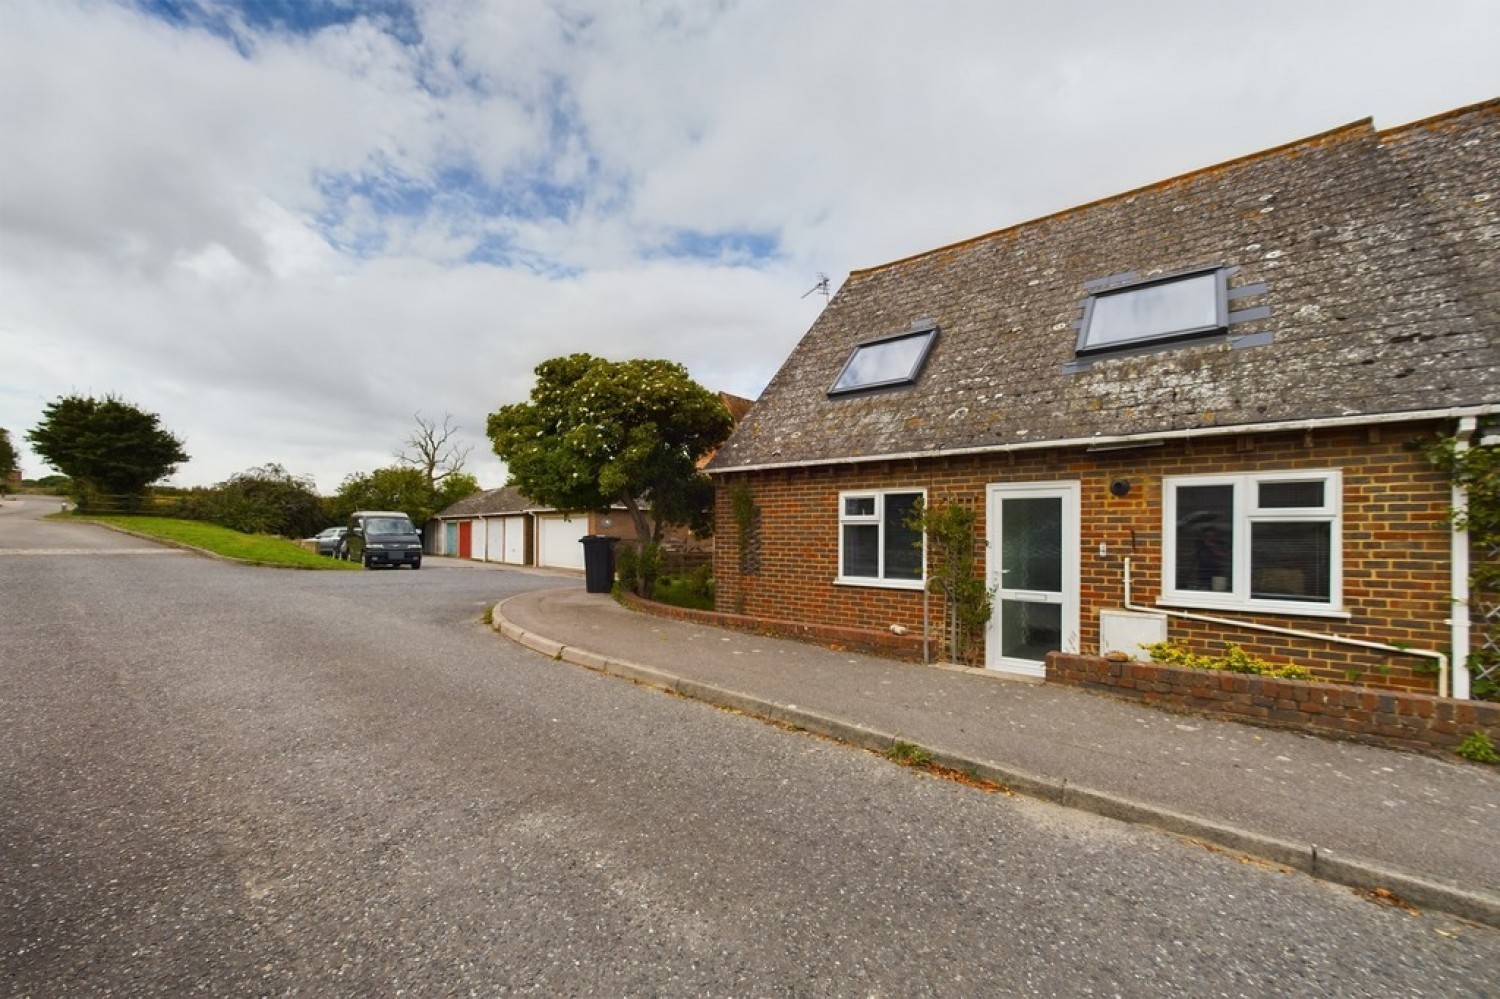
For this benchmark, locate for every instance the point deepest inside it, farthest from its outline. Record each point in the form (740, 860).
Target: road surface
(226, 780)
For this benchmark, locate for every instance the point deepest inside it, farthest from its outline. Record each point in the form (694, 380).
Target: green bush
(1479, 748)
(264, 500)
(638, 566)
(695, 590)
(1234, 660)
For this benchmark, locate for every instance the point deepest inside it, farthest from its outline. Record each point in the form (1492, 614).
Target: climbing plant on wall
(952, 573)
(1477, 470)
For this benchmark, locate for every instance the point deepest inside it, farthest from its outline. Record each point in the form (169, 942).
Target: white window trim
(1238, 596)
(877, 519)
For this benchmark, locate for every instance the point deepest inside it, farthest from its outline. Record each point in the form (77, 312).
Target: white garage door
(494, 539)
(515, 541)
(557, 540)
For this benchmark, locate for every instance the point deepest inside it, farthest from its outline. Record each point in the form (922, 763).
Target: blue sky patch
(294, 17)
(733, 245)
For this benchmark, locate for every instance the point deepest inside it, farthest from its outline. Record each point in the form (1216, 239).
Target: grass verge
(261, 549)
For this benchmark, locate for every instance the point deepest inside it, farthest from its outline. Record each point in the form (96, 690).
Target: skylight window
(1165, 309)
(895, 360)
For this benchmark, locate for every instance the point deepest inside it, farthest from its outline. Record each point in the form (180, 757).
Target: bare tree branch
(431, 449)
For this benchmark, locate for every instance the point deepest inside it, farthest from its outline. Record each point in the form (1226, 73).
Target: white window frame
(1245, 514)
(877, 519)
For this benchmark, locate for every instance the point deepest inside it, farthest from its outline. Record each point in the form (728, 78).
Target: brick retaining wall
(881, 643)
(1401, 719)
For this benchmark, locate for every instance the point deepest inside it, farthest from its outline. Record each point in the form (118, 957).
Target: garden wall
(1401, 719)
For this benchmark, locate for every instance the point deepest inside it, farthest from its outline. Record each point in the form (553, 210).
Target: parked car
(329, 539)
(382, 537)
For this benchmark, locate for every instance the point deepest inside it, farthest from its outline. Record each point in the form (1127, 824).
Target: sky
(287, 228)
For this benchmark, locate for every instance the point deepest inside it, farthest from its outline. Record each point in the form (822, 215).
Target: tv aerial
(821, 287)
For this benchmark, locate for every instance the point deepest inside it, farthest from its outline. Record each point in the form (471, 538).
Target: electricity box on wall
(1126, 631)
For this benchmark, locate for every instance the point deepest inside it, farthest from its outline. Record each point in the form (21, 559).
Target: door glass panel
(1031, 546)
(1029, 630)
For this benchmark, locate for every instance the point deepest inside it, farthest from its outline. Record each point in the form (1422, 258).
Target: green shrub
(695, 590)
(1234, 660)
(1479, 748)
(638, 566)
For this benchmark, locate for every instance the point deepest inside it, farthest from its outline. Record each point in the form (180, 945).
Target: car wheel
(367, 563)
(417, 564)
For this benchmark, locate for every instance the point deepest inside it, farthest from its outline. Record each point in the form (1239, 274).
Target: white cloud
(287, 242)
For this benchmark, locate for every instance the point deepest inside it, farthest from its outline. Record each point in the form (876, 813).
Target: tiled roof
(506, 499)
(1363, 275)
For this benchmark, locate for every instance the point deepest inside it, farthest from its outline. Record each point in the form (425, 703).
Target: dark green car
(383, 538)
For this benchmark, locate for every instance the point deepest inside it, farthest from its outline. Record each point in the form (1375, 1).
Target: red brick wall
(1402, 719)
(1395, 541)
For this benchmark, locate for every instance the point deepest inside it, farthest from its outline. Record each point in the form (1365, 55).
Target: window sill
(1257, 607)
(881, 584)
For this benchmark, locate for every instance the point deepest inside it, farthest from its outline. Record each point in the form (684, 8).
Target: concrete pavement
(1419, 827)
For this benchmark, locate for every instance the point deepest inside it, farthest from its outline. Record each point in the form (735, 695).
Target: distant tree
(454, 487)
(598, 432)
(266, 500)
(8, 460)
(399, 487)
(59, 485)
(431, 449)
(107, 446)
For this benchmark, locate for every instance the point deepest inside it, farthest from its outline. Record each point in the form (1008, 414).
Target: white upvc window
(877, 546)
(1267, 541)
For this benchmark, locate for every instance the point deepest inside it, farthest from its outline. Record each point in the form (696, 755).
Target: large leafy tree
(107, 446)
(598, 432)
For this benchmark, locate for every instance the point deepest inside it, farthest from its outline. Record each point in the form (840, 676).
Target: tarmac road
(221, 780)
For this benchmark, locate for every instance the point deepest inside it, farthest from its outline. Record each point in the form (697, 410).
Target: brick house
(1186, 411)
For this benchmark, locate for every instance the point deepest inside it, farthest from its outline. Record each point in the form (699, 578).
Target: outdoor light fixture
(1119, 487)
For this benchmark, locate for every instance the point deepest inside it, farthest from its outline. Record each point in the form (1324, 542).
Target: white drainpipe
(1442, 660)
(1459, 603)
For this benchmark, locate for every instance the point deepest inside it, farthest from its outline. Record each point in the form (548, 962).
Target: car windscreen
(388, 525)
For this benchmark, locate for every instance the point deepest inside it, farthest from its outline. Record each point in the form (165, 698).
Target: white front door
(1033, 568)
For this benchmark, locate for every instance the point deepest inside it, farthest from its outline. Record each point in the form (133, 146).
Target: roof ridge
(1362, 125)
(1428, 122)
